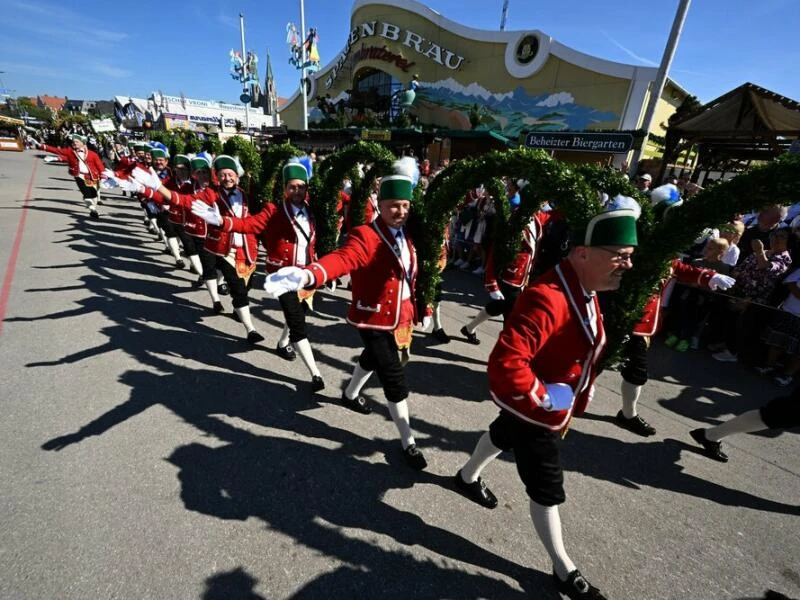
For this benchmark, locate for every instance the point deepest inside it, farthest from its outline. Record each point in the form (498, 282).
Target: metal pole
(303, 58)
(244, 74)
(504, 15)
(661, 78)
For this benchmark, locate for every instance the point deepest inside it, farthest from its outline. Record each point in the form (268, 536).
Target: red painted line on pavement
(11, 265)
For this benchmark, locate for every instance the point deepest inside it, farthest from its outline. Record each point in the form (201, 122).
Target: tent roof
(745, 112)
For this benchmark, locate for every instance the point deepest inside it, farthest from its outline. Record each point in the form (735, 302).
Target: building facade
(513, 83)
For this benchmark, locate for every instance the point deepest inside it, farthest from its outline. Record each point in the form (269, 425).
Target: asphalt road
(148, 452)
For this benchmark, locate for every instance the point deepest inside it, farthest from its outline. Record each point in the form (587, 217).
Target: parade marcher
(288, 233)
(382, 262)
(232, 254)
(542, 372)
(782, 412)
(181, 182)
(634, 368)
(503, 291)
(166, 229)
(84, 165)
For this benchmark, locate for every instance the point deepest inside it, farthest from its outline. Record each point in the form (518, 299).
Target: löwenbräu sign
(616, 143)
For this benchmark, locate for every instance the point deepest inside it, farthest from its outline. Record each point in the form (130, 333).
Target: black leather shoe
(218, 308)
(359, 404)
(253, 337)
(635, 424)
(94, 215)
(286, 352)
(441, 335)
(317, 385)
(414, 458)
(577, 587)
(471, 337)
(476, 491)
(179, 264)
(200, 282)
(712, 449)
(223, 289)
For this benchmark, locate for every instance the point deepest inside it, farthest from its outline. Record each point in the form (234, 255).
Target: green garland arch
(549, 180)
(332, 173)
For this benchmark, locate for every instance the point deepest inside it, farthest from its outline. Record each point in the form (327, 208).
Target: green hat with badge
(223, 161)
(298, 167)
(400, 184)
(396, 187)
(616, 226)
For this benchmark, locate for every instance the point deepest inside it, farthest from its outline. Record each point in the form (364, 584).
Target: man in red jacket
(84, 165)
(542, 371)
(232, 254)
(382, 264)
(288, 234)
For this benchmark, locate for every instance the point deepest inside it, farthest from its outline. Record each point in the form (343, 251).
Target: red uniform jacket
(175, 212)
(218, 241)
(377, 273)
(92, 160)
(182, 200)
(651, 321)
(547, 339)
(517, 272)
(275, 223)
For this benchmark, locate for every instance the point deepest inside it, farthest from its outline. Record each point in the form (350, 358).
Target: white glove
(559, 397)
(721, 282)
(287, 279)
(147, 178)
(209, 214)
(496, 295)
(36, 143)
(128, 185)
(426, 323)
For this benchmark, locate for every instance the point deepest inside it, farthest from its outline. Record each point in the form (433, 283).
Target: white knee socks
(484, 453)
(357, 382)
(402, 420)
(547, 523)
(244, 317)
(172, 243)
(196, 264)
(303, 348)
(479, 318)
(284, 339)
(437, 316)
(744, 423)
(211, 286)
(630, 396)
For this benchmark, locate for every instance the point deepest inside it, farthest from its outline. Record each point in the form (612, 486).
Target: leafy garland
(549, 180)
(335, 168)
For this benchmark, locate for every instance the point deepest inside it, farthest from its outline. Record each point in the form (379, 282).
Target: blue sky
(94, 49)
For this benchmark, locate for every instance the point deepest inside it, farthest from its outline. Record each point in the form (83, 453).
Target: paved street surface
(148, 452)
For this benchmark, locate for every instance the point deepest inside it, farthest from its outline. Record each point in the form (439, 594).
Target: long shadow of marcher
(634, 465)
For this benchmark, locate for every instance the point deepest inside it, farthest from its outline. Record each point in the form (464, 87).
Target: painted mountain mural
(449, 103)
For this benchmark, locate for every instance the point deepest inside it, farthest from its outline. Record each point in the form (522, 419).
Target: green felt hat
(199, 162)
(78, 136)
(141, 147)
(159, 153)
(294, 170)
(223, 161)
(181, 159)
(612, 228)
(396, 187)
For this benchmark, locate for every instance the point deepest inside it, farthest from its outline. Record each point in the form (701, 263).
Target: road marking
(11, 265)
